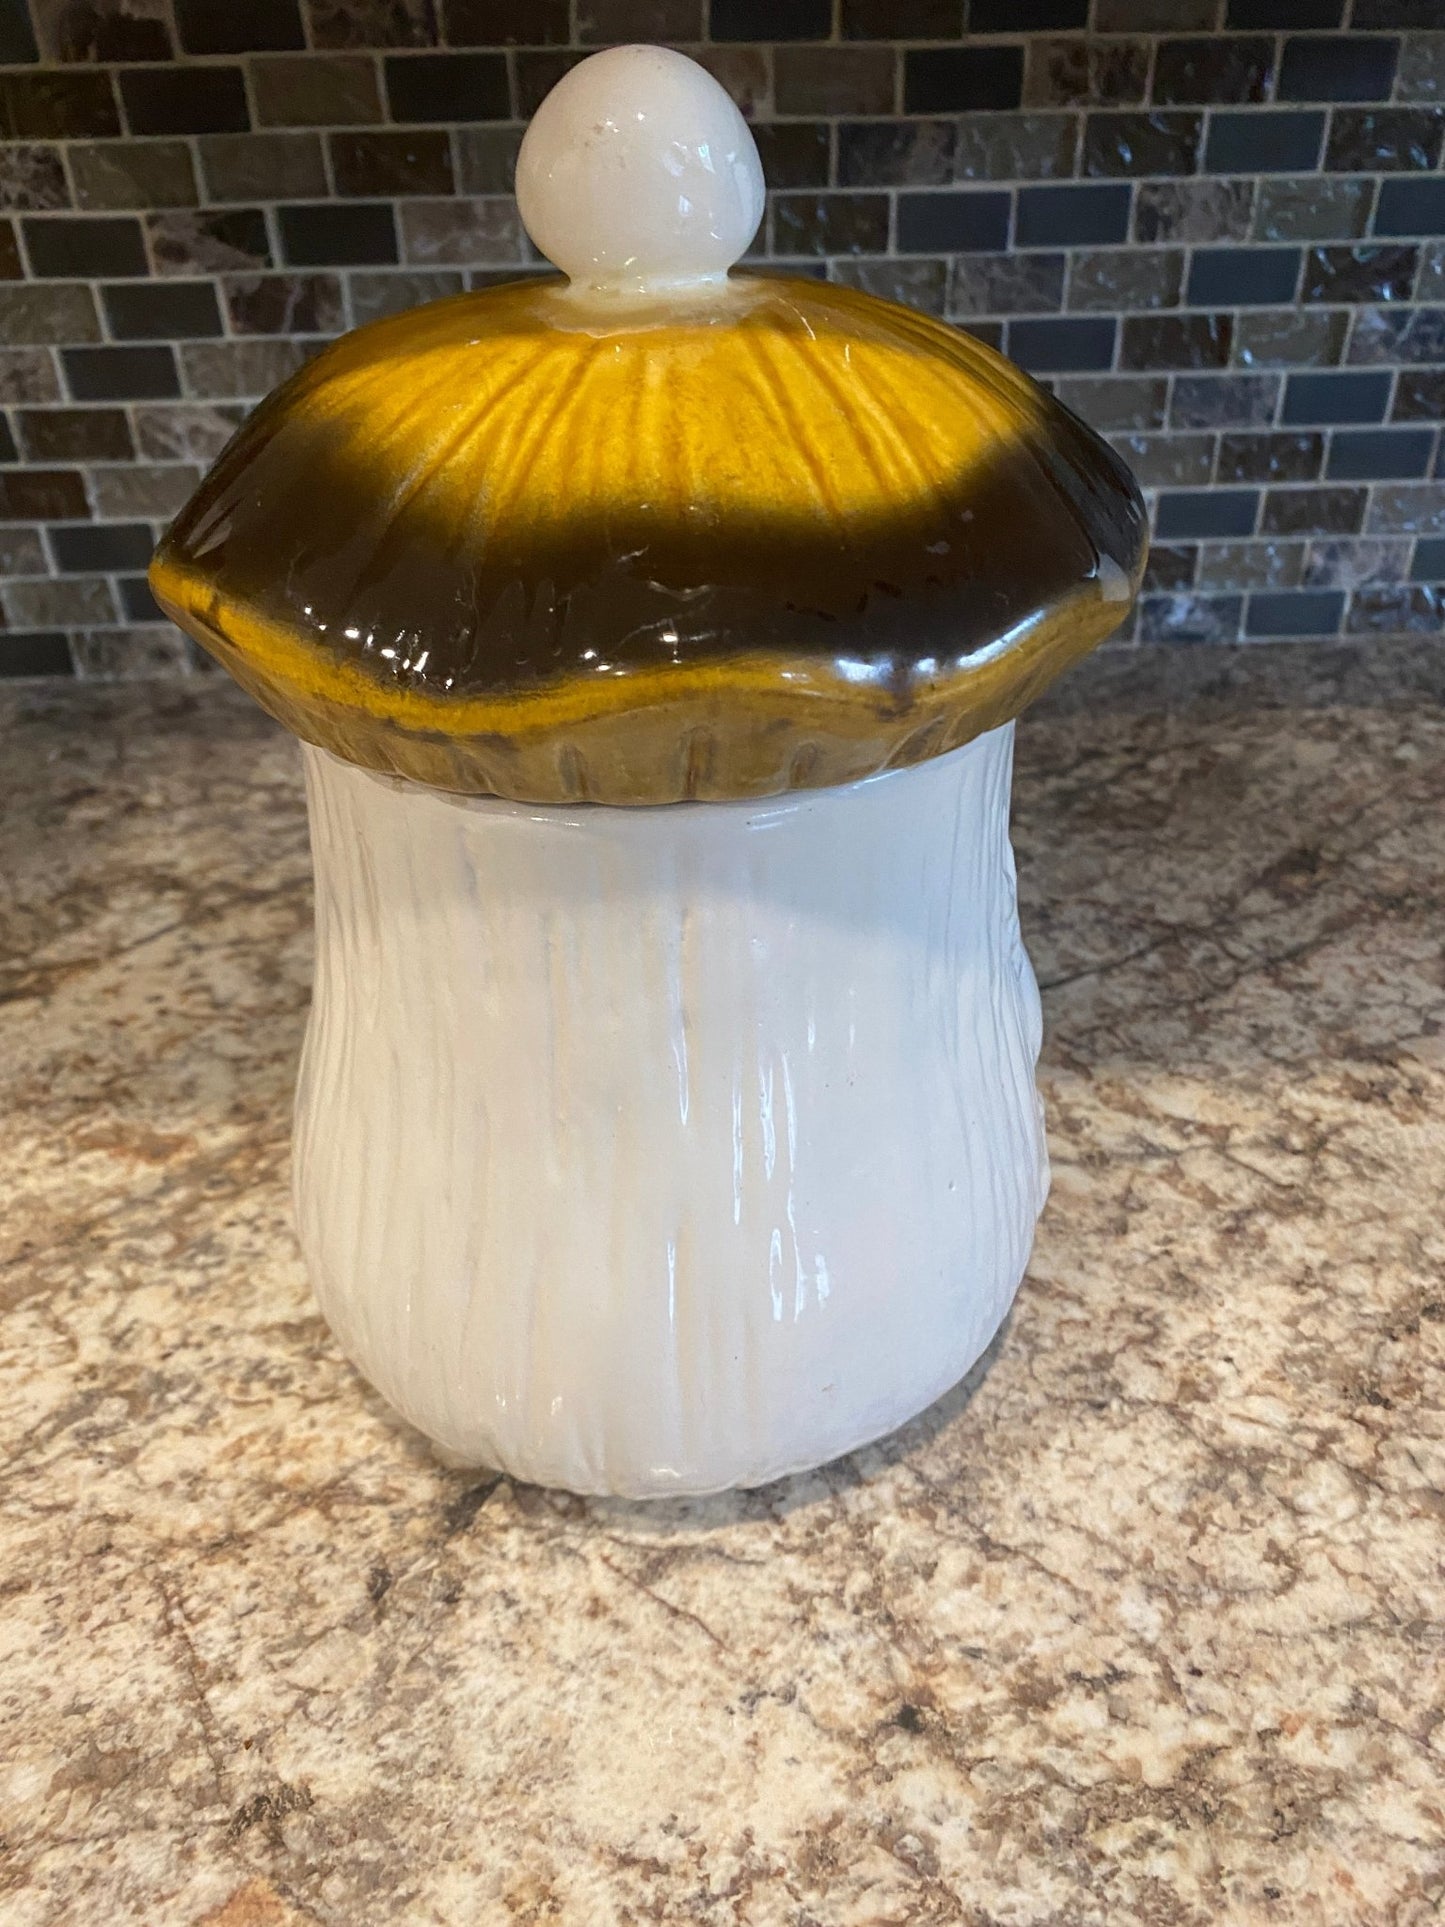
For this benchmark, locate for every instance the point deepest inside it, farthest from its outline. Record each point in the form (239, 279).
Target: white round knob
(639, 173)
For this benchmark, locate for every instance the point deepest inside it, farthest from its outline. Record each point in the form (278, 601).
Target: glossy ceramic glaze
(637, 542)
(637, 174)
(651, 1151)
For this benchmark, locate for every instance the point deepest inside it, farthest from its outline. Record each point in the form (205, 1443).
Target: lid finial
(639, 175)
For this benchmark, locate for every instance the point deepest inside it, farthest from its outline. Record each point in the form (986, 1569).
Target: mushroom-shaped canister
(646, 1150)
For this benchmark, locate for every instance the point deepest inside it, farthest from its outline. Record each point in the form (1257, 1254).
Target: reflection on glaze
(638, 172)
(782, 537)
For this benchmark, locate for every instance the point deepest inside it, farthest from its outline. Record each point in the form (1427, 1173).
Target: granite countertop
(1143, 1624)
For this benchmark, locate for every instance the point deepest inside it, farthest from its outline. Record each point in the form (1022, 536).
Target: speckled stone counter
(1145, 1623)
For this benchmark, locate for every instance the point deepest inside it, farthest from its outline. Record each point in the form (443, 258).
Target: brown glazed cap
(647, 536)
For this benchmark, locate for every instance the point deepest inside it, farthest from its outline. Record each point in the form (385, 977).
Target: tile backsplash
(1216, 227)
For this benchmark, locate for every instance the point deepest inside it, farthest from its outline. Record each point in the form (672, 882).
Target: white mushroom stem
(650, 1151)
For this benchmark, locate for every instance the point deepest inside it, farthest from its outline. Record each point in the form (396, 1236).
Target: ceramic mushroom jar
(667, 1116)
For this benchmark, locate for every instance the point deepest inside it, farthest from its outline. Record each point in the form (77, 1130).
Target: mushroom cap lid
(658, 532)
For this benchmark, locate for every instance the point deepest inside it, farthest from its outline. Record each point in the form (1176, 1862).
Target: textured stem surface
(658, 1150)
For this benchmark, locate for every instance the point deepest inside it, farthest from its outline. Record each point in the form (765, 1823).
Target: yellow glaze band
(737, 727)
(785, 537)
